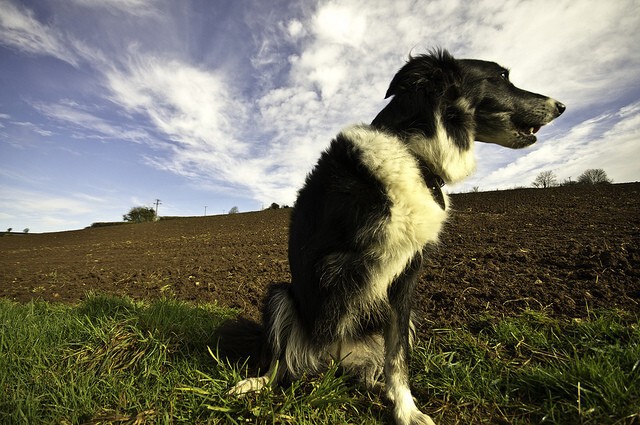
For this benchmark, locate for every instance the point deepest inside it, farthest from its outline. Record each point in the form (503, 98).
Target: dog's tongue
(535, 129)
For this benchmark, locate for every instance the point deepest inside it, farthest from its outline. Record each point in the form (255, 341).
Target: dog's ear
(417, 89)
(424, 72)
(403, 111)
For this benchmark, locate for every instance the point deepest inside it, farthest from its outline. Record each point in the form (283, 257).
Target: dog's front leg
(397, 350)
(397, 378)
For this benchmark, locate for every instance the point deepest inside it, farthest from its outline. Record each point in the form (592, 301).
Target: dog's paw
(419, 418)
(415, 417)
(405, 410)
(248, 385)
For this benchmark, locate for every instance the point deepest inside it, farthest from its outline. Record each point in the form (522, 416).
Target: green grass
(534, 369)
(113, 360)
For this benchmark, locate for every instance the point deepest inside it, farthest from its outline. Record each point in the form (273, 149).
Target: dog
(366, 213)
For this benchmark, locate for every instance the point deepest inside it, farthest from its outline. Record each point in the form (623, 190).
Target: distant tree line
(10, 230)
(275, 206)
(590, 176)
(147, 214)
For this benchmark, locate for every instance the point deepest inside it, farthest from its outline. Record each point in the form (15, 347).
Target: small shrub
(140, 215)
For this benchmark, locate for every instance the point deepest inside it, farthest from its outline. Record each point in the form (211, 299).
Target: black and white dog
(367, 211)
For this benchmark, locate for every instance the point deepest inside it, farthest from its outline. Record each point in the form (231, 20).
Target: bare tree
(594, 176)
(545, 179)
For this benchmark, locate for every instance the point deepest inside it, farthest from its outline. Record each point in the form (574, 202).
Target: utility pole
(205, 210)
(157, 203)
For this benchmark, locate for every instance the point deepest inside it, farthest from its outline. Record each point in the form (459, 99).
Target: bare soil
(567, 250)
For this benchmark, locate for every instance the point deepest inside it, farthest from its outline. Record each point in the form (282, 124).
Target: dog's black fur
(367, 211)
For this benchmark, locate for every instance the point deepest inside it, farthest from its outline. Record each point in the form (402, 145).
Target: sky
(110, 104)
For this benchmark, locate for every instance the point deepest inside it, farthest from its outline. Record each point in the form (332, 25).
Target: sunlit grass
(113, 360)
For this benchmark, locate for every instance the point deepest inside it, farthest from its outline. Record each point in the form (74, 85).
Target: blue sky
(110, 104)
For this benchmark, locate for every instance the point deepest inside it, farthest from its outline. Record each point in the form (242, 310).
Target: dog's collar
(433, 181)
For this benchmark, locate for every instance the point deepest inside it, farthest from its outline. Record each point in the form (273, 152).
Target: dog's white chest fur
(415, 217)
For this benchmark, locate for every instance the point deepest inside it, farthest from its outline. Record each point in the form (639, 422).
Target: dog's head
(470, 97)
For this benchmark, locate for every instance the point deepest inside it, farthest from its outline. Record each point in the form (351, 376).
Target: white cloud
(340, 23)
(317, 68)
(544, 42)
(570, 50)
(295, 29)
(336, 79)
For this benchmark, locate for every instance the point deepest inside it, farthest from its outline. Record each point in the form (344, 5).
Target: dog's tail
(243, 341)
(246, 342)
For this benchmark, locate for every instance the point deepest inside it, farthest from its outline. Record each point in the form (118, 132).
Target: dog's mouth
(525, 133)
(526, 127)
(509, 130)
(528, 130)
(515, 124)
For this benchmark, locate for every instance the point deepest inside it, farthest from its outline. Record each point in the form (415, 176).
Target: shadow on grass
(187, 330)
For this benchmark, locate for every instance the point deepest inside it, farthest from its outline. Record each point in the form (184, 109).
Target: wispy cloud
(196, 111)
(33, 127)
(140, 8)
(54, 209)
(86, 125)
(24, 206)
(190, 105)
(20, 29)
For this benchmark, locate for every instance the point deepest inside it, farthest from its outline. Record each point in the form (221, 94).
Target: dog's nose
(560, 107)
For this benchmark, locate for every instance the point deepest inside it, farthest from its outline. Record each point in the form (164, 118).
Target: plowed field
(567, 250)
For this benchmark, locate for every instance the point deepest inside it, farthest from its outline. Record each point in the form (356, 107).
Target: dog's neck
(433, 181)
(442, 156)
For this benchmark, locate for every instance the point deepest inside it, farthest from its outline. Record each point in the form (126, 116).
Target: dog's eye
(504, 75)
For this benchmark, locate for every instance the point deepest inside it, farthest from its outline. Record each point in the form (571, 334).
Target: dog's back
(363, 214)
